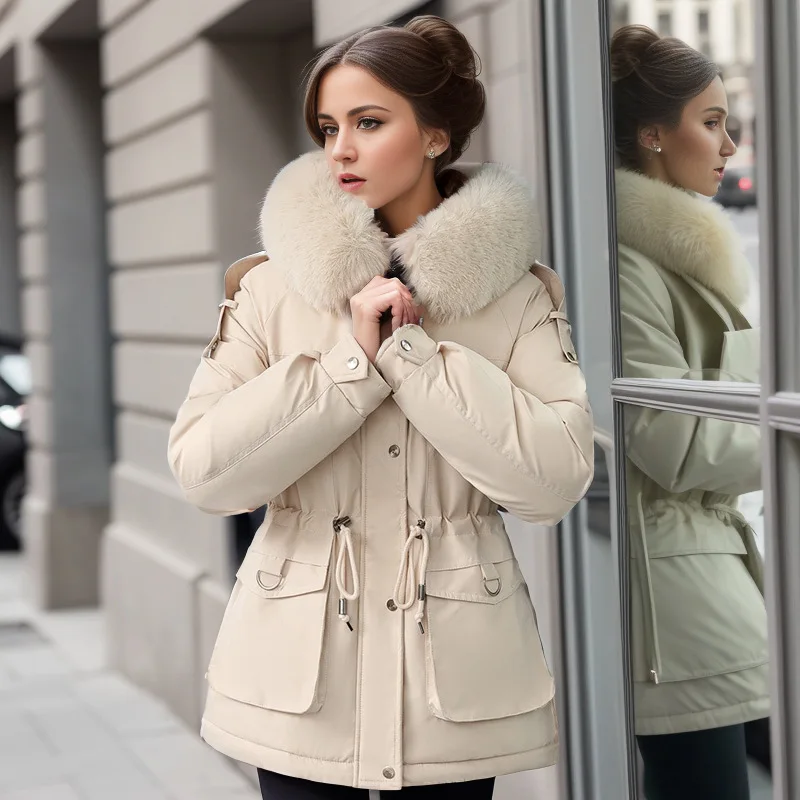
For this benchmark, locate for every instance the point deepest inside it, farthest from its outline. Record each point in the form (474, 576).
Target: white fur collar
(460, 257)
(682, 233)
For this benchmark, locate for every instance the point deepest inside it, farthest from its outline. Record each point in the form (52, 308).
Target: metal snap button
(394, 451)
(391, 605)
(405, 344)
(388, 773)
(352, 363)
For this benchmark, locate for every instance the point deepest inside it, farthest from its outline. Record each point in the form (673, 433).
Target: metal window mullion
(735, 402)
(778, 170)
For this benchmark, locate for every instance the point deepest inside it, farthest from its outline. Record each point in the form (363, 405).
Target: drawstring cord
(345, 557)
(407, 581)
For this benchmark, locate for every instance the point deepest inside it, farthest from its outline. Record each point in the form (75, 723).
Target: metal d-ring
(272, 575)
(486, 581)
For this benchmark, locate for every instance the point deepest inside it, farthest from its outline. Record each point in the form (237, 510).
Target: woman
(699, 619)
(380, 634)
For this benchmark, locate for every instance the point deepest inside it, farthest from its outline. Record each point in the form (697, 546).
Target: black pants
(281, 787)
(704, 765)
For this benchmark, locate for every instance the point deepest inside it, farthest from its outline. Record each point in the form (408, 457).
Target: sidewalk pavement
(72, 729)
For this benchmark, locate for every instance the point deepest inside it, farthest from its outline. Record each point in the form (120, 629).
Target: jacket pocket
(702, 614)
(484, 657)
(270, 647)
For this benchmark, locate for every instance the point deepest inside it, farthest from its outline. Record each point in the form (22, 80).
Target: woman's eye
(713, 123)
(369, 124)
(328, 130)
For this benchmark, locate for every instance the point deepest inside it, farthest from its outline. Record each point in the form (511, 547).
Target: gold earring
(431, 154)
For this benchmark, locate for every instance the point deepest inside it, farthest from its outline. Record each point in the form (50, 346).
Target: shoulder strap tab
(240, 268)
(551, 281)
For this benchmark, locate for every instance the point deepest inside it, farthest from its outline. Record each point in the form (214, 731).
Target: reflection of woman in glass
(699, 622)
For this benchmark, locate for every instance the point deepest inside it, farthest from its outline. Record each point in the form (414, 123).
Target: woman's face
(694, 154)
(371, 133)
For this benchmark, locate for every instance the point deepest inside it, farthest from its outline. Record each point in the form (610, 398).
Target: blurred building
(137, 138)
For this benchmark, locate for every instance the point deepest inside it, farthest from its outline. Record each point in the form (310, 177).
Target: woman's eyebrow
(716, 108)
(355, 111)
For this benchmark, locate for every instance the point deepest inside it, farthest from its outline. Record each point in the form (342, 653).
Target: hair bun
(450, 44)
(629, 46)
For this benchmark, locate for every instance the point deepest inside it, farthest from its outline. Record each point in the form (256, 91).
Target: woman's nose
(728, 146)
(343, 149)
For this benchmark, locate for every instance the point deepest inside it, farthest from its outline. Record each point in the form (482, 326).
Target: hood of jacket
(460, 257)
(681, 232)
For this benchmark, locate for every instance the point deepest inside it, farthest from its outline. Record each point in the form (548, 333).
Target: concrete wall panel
(36, 311)
(507, 36)
(157, 29)
(171, 156)
(334, 21)
(111, 11)
(175, 226)
(154, 377)
(150, 606)
(142, 443)
(39, 470)
(40, 421)
(508, 141)
(33, 255)
(166, 92)
(40, 354)
(30, 155)
(156, 509)
(167, 301)
(31, 108)
(31, 208)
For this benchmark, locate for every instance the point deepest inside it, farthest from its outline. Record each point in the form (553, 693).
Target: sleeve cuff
(407, 349)
(349, 368)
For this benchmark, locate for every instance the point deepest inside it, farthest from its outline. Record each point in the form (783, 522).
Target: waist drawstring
(345, 558)
(409, 582)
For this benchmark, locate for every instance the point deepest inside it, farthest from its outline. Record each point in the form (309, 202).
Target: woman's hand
(367, 307)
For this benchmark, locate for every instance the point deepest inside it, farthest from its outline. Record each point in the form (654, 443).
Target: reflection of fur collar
(460, 257)
(682, 233)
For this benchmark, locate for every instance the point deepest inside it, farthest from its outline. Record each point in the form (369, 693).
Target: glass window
(687, 223)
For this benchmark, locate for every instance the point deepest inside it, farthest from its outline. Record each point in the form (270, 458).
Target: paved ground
(70, 729)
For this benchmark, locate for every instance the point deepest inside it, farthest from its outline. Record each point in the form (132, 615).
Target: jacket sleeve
(248, 429)
(523, 436)
(678, 451)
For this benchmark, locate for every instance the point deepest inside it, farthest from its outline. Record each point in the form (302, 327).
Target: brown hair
(653, 80)
(428, 61)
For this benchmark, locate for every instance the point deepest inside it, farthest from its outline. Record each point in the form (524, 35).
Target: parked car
(738, 187)
(15, 386)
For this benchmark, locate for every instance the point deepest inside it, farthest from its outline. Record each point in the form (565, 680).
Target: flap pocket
(269, 650)
(483, 583)
(271, 576)
(484, 656)
(695, 540)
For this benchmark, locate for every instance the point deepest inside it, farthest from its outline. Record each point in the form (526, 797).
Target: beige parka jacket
(380, 632)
